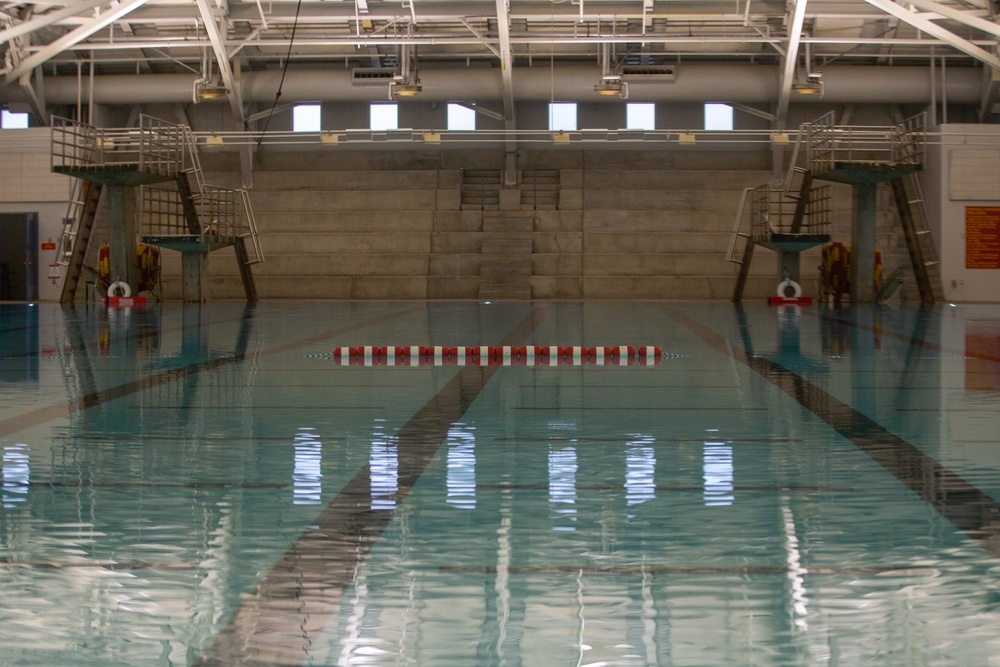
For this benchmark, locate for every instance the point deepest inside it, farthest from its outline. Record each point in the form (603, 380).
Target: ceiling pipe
(745, 84)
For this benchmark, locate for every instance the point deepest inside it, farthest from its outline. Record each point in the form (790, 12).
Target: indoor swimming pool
(209, 485)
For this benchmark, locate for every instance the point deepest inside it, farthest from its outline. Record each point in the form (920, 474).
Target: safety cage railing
(221, 214)
(208, 214)
(155, 147)
(773, 213)
(830, 145)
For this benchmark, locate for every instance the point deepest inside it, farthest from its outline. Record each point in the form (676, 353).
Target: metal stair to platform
(919, 241)
(78, 225)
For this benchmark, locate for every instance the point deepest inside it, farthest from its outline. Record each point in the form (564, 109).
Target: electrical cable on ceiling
(284, 70)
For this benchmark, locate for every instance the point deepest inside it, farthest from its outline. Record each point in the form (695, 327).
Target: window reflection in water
(640, 470)
(562, 487)
(461, 466)
(16, 473)
(383, 463)
(718, 472)
(307, 476)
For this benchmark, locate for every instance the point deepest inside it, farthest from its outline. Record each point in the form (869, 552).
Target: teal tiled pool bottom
(206, 485)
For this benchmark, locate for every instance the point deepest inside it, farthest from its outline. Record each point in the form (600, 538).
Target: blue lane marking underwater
(204, 485)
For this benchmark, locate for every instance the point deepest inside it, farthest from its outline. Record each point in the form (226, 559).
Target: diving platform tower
(861, 156)
(175, 208)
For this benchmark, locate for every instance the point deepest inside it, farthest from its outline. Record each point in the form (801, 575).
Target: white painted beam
(506, 62)
(234, 94)
(48, 19)
(72, 38)
(797, 18)
(935, 30)
(968, 18)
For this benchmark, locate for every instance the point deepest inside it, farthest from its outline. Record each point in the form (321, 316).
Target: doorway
(18, 256)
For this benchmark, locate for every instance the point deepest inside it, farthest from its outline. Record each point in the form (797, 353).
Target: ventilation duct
(650, 73)
(695, 82)
(373, 76)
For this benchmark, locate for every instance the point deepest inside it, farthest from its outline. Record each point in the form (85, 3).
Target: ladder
(77, 229)
(919, 241)
(744, 259)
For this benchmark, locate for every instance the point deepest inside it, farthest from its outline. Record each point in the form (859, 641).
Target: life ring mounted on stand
(783, 299)
(784, 285)
(119, 288)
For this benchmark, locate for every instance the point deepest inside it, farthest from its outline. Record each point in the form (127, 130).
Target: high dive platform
(789, 220)
(175, 208)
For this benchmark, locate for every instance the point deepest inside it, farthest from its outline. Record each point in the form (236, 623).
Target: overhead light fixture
(612, 86)
(209, 91)
(401, 89)
(813, 85)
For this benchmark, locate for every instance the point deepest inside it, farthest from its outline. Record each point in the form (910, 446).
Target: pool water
(208, 485)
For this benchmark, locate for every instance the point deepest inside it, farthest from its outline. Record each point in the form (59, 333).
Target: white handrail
(737, 225)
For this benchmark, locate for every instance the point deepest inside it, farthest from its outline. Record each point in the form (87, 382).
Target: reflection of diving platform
(861, 156)
(179, 210)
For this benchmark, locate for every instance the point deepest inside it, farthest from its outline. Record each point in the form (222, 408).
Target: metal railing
(771, 212)
(255, 253)
(909, 140)
(830, 145)
(220, 213)
(737, 229)
(71, 222)
(155, 147)
(223, 214)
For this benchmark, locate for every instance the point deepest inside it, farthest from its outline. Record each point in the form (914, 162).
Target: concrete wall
(27, 185)
(389, 223)
(965, 173)
(383, 224)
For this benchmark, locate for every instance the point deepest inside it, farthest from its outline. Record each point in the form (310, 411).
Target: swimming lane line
(278, 621)
(965, 506)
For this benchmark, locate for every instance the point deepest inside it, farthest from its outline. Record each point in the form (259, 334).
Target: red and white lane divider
(500, 355)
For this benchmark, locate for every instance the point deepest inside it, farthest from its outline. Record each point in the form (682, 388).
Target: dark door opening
(18, 256)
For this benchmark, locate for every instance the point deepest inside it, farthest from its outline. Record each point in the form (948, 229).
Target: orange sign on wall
(982, 237)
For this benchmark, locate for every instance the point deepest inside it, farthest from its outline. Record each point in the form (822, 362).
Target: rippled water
(205, 485)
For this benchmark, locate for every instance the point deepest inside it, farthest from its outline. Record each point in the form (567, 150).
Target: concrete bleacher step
(508, 224)
(505, 268)
(506, 246)
(540, 189)
(481, 189)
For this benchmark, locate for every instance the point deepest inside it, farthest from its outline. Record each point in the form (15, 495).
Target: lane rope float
(502, 355)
